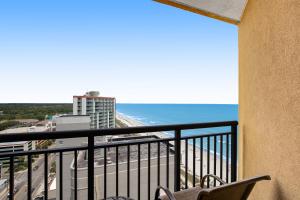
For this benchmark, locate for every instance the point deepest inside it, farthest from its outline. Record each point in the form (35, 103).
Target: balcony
(132, 163)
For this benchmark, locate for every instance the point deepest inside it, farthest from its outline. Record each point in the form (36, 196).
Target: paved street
(37, 180)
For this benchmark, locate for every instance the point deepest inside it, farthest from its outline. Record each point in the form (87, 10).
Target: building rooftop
(92, 97)
(27, 120)
(122, 152)
(74, 116)
(53, 184)
(25, 129)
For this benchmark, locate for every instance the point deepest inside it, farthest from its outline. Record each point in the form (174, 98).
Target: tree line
(32, 111)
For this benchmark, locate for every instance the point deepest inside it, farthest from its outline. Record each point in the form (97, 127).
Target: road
(37, 179)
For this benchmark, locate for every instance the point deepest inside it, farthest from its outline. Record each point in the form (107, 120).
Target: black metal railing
(218, 151)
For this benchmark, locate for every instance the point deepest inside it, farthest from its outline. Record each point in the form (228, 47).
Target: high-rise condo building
(102, 110)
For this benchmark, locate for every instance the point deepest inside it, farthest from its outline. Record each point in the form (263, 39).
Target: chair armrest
(166, 191)
(213, 176)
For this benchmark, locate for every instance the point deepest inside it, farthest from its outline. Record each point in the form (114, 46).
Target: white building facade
(68, 123)
(102, 110)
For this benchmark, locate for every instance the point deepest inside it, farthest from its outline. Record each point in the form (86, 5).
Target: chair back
(233, 191)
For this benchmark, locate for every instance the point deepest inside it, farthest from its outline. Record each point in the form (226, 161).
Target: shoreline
(129, 122)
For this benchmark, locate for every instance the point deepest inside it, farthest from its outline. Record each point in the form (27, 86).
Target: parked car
(8, 194)
(35, 167)
(39, 197)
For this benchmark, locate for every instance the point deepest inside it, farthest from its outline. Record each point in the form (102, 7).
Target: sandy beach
(132, 122)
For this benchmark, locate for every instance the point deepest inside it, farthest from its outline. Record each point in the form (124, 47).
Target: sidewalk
(3, 194)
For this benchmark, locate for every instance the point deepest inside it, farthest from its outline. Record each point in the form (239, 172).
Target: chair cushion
(188, 194)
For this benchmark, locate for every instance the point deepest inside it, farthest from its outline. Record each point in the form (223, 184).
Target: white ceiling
(226, 10)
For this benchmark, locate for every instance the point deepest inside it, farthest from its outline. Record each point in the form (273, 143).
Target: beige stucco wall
(269, 97)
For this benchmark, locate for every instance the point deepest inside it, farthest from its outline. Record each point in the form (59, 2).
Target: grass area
(11, 112)
(53, 167)
(8, 124)
(45, 144)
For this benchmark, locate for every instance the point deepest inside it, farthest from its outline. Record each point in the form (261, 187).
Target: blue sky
(136, 50)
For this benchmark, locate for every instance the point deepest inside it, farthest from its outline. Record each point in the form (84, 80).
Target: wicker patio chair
(239, 190)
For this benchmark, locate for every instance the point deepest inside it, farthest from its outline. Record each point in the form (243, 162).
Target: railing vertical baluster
(233, 153)
(167, 166)
(91, 147)
(60, 175)
(117, 171)
(227, 156)
(186, 163)
(158, 163)
(201, 158)
(29, 177)
(11, 178)
(215, 158)
(177, 160)
(208, 159)
(75, 175)
(149, 169)
(194, 162)
(221, 156)
(139, 171)
(46, 176)
(105, 172)
(128, 171)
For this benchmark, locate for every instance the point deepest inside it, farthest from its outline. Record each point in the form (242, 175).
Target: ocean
(154, 114)
(159, 114)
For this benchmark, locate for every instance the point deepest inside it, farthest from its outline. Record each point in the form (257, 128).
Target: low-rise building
(15, 147)
(68, 123)
(28, 130)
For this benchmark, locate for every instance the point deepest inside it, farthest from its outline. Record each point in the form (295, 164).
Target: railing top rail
(14, 137)
(107, 145)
